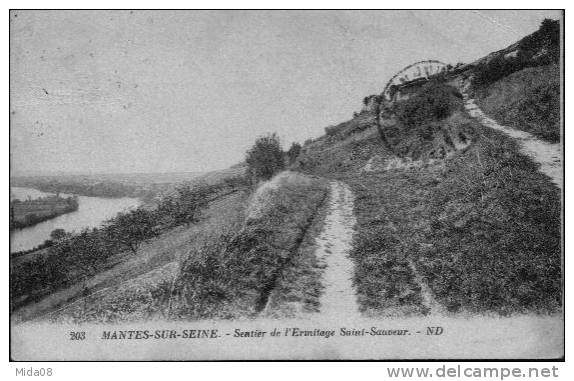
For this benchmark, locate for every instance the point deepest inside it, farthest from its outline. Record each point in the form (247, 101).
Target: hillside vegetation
(235, 273)
(527, 100)
(80, 256)
(481, 226)
(537, 49)
(429, 125)
(137, 287)
(232, 266)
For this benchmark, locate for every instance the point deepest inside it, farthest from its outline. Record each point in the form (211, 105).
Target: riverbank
(91, 212)
(33, 211)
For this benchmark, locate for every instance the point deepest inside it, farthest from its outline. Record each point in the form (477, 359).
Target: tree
(186, 206)
(130, 229)
(265, 158)
(293, 152)
(58, 235)
(550, 31)
(89, 252)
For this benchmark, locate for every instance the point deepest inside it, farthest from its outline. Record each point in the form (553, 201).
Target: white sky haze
(163, 91)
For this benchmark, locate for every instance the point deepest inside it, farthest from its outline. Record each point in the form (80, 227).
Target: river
(92, 211)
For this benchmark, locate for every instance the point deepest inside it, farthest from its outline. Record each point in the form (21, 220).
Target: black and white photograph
(231, 185)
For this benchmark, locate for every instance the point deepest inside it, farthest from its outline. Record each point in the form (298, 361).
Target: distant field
(145, 186)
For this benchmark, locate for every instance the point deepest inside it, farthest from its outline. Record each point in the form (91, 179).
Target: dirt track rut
(338, 300)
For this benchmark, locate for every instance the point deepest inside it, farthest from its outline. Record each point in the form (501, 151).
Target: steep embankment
(474, 228)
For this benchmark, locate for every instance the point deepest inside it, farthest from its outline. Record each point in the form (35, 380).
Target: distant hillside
(142, 185)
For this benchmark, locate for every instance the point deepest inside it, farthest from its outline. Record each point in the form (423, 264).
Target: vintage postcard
(286, 185)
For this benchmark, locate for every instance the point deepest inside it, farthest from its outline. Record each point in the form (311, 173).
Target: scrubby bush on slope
(435, 101)
(293, 152)
(429, 125)
(265, 158)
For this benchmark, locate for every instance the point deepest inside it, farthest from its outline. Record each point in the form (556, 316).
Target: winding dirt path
(338, 301)
(544, 153)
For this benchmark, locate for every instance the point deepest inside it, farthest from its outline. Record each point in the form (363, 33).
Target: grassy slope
(299, 288)
(528, 100)
(139, 284)
(62, 267)
(157, 253)
(237, 273)
(482, 227)
(228, 266)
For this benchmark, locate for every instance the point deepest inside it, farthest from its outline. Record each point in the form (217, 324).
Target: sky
(186, 91)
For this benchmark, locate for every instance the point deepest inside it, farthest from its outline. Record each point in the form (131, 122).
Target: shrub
(499, 67)
(59, 235)
(185, 206)
(546, 37)
(130, 229)
(331, 130)
(427, 125)
(204, 283)
(265, 158)
(293, 152)
(435, 101)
